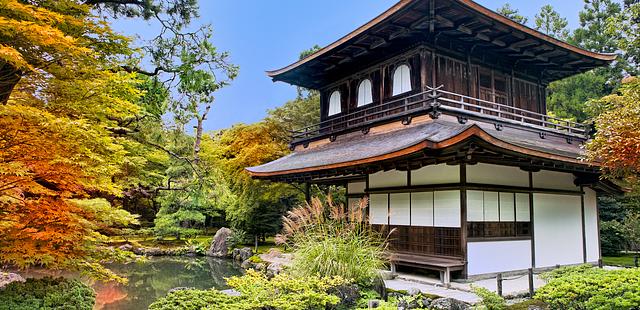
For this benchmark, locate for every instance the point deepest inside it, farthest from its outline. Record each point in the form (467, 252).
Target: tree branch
(120, 2)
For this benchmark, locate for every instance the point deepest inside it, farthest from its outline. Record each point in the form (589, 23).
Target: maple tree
(617, 138)
(60, 98)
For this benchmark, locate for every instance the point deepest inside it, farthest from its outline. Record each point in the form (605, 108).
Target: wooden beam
(421, 24)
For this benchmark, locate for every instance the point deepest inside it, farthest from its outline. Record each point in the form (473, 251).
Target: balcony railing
(436, 100)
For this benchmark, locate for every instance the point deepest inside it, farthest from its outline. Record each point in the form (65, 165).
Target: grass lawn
(624, 260)
(263, 247)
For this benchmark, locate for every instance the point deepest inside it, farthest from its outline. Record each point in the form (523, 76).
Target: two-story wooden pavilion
(436, 111)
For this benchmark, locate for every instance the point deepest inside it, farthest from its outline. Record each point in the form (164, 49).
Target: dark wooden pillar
(463, 216)
(531, 222)
(307, 192)
(584, 234)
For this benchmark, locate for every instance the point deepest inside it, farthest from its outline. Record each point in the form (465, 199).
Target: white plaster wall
(399, 213)
(391, 178)
(436, 174)
(591, 225)
(378, 209)
(356, 187)
(557, 229)
(447, 208)
(422, 209)
(554, 180)
(497, 175)
(498, 256)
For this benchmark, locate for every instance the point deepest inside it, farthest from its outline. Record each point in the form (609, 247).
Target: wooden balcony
(434, 101)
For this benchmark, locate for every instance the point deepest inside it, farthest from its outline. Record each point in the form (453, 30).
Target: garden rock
(231, 292)
(348, 294)
(8, 277)
(413, 291)
(180, 288)
(242, 254)
(534, 307)
(126, 247)
(219, 247)
(274, 269)
(449, 304)
(387, 275)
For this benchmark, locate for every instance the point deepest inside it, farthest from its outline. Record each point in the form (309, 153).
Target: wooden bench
(445, 265)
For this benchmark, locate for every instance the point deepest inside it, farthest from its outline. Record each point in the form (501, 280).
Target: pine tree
(551, 23)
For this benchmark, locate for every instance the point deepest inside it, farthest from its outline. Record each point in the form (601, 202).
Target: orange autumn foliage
(55, 146)
(617, 142)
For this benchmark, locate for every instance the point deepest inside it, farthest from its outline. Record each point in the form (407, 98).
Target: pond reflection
(152, 279)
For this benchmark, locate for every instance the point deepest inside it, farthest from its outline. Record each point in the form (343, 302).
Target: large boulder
(219, 247)
(8, 277)
(448, 304)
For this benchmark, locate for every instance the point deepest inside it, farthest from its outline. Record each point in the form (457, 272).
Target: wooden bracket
(406, 120)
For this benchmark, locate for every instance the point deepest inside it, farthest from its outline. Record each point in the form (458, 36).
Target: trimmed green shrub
(490, 300)
(586, 287)
(47, 294)
(282, 292)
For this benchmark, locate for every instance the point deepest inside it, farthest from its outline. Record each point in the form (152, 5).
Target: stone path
(404, 285)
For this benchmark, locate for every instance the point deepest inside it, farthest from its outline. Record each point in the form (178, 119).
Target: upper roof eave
(468, 3)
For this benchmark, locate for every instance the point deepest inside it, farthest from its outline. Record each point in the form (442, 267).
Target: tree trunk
(9, 78)
(199, 130)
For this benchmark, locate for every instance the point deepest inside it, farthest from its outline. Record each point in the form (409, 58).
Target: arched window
(334, 103)
(364, 93)
(401, 80)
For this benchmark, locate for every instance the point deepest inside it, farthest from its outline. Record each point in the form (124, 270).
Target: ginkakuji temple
(435, 110)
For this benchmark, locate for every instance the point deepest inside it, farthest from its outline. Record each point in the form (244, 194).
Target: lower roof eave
(464, 136)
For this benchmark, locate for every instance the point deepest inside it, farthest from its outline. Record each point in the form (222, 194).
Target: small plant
(47, 293)
(256, 259)
(195, 246)
(490, 300)
(237, 238)
(282, 292)
(329, 240)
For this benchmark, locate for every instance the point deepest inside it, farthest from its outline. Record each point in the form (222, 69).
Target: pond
(152, 279)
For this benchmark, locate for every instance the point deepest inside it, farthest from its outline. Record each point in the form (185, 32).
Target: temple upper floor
(438, 56)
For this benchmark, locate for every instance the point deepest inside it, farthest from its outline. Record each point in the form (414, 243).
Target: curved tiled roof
(475, 7)
(358, 148)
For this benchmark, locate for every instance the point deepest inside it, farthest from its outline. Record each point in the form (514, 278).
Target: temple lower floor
(483, 218)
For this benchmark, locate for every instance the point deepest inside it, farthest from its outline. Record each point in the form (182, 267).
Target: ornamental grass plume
(330, 240)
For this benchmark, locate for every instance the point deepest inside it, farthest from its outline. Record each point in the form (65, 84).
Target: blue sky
(263, 35)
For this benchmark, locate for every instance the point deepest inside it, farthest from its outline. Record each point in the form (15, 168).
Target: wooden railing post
(531, 288)
(499, 279)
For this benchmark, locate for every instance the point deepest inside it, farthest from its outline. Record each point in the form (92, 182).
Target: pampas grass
(330, 240)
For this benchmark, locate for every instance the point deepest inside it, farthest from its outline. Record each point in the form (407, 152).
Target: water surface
(152, 279)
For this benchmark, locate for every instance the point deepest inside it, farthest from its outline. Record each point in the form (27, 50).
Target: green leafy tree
(507, 11)
(551, 23)
(567, 98)
(627, 26)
